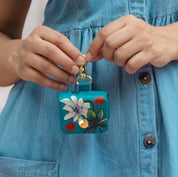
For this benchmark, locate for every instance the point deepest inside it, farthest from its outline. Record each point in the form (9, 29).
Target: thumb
(97, 58)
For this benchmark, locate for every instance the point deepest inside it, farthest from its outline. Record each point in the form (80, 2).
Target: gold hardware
(83, 73)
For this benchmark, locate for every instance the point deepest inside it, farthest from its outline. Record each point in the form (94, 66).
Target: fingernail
(88, 56)
(62, 87)
(72, 79)
(81, 60)
(75, 69)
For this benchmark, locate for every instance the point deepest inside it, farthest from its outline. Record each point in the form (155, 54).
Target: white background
(34, 18)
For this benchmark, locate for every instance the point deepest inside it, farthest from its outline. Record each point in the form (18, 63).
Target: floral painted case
(84, 111)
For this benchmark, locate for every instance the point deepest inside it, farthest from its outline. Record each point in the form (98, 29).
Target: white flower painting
(76, 108)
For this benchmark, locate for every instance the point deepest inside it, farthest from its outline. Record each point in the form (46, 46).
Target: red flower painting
(99, 100)
(70, 126)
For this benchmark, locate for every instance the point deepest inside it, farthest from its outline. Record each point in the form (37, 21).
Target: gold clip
(83, 73)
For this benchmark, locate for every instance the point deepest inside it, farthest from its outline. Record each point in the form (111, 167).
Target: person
(132, 46)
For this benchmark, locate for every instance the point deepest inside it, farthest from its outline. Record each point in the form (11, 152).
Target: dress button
(145, 78)
(149, 142)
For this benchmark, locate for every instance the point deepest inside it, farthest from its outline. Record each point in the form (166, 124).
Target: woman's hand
(131, 42)
(39, 55)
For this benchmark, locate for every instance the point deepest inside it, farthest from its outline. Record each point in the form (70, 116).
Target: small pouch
(84, 111)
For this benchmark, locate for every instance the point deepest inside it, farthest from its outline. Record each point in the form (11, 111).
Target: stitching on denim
(136, 83)
(157, 17)
(154, 117)
(161, 16)
(26, 174)
(129, 6)
(15, 171)
(82, 29)
(23, 160)
(164, 9)
(135, 13)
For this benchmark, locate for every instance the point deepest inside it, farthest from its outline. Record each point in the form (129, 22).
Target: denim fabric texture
(31, 140)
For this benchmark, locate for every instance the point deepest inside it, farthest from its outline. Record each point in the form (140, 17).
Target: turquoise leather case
(84, 111)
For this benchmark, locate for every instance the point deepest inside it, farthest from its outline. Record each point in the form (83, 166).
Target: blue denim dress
(142, 137)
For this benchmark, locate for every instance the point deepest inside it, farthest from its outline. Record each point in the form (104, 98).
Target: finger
(63, 43)
(41, 79)
(99, 56)
(126, 51)
(137, 61)
(44, 66)
(98, 41)
(114, 41)
(55, 55)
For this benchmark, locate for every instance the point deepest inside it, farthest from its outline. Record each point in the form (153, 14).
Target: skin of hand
(40, 54)
(133, 43)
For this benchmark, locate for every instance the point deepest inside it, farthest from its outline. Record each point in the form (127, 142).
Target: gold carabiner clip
(83, 73)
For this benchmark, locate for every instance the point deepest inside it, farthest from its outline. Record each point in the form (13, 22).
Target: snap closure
(149, 142)
(145, 78)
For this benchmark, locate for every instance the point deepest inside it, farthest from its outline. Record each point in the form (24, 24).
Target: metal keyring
(83, 73)
(79, 77)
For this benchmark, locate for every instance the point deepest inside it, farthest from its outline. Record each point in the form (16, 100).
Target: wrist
(12, 59)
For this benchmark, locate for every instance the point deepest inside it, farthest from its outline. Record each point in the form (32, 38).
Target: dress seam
(101, 26)
(83, 28)
(161, 16)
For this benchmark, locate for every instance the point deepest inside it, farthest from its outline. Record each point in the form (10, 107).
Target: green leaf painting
(96, 121)
(90, 130)
(103, 123)
(100, 115)
(91, 115)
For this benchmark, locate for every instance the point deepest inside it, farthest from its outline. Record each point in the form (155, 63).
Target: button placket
(137, 8)
(147, 122)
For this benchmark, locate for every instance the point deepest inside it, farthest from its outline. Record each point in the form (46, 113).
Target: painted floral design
(76, 108)
(70, 126)
(99, 100)
(86, 111)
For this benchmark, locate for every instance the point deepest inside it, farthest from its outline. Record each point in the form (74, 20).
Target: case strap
(84, 86)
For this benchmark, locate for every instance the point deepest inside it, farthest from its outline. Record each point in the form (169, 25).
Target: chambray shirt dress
(142, 138)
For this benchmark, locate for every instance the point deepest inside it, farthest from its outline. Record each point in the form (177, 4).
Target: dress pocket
(11, 167)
